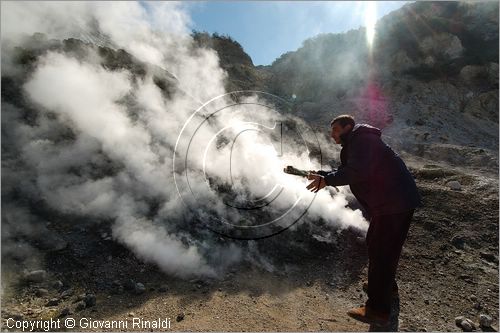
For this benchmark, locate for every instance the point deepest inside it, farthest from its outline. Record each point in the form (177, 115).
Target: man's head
(341, 125)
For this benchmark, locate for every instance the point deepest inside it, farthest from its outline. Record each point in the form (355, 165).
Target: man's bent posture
(382, 184)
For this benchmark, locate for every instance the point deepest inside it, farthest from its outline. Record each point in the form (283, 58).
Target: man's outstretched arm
(356, 168)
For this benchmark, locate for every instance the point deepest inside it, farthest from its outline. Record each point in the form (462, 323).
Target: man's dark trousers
(385, 238)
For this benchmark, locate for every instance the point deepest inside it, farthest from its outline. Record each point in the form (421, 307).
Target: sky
(267, 29)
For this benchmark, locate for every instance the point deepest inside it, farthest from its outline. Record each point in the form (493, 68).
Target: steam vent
(157, 175)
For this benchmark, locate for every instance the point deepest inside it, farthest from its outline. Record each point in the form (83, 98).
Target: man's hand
(318, 182)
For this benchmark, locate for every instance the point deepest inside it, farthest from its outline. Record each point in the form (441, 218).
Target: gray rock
(442, 44)
(89, 300)
(455, 185)
(52, 302)
(470, 73)
(467, 325)
(485, 320)
(57, 285)
(36, 276)
(401, 61)
(80, 298)
(117, 288)
(139, 288)
(458, 241)
(41, 292)
(492, 70)
(67, 293)
(64, 312)
(488, 256)
(473, 298)
(16, 316)
(51, 242)
(180, 317)
(458, 320)
(129, 285)
(163, 289)
(80, 306)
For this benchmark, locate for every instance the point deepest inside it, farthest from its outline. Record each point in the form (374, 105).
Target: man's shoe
(394, 292)
(369, 316)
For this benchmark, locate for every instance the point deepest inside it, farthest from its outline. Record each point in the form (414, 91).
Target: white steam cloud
(126, 123)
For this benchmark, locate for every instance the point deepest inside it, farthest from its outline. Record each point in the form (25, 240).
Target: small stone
(467, 325)
(180, 317)
(36, 276)
(16, 316)
(129, 285)
(116, 288)
(455, 185)
(131, 314)
(458, 241)
(64, 312)
(473, 298)
(426, 301)
(485, 320)
(67, 293)
(57, 285)
(139, 288)
(163, 289)
(488, 256)
(458, 320)
(52, 302)
(41, 292)
(89, 300)
(80, 306)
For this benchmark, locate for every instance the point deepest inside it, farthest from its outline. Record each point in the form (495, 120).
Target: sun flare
(370, 20)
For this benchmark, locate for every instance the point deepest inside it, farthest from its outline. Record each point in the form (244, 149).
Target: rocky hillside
(430, 80)
(243, 75)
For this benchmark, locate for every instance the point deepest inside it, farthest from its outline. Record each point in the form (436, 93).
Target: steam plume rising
(97, 141)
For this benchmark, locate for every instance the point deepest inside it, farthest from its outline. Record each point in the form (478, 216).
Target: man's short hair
(343, 120)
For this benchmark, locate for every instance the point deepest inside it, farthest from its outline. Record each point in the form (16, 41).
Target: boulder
(485, 320)
(455, 185)
(442, 44)
(36, 276)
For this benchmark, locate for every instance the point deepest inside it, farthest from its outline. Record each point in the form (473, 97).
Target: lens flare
(370, 20)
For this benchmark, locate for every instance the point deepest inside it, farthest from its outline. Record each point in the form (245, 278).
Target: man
(382, 184)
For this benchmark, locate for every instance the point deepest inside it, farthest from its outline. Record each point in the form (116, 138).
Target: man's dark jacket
(377, 176)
